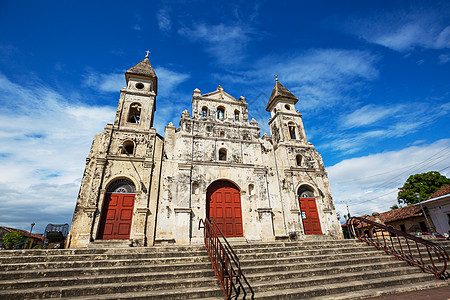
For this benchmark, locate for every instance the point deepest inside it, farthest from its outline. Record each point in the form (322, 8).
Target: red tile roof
(441, 192)
(409, 211)
(24, 232)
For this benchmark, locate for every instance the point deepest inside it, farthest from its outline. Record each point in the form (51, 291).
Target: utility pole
(417, 195)
(348, 211)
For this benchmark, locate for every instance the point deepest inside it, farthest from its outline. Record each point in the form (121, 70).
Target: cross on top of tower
(276, 77)
(148, 52)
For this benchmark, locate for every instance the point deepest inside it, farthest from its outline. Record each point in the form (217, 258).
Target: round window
(287, 107)
(139, 85)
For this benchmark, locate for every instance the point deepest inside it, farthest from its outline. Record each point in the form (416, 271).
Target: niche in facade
(251, 189)
(195, 188)
(220, 113)
(298, 158)
(223, 154)
(204, 112)
(236, 115)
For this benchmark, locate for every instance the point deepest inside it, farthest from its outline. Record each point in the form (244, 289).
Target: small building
(438, 205)
(409, 219)
(28, 240)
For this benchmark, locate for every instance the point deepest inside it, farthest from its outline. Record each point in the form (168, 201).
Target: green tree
(395, 206)
(11, 239)
(425, 184)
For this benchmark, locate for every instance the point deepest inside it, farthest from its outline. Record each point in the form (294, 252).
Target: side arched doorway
(117, 213)
(309, 212)
(223, 200)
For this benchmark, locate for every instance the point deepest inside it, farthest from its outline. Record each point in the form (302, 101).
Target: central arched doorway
(117, 213)
(309, 212)
(223, 200)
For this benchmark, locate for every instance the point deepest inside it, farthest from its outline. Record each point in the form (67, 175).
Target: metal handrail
(377, 238)
(223, 258)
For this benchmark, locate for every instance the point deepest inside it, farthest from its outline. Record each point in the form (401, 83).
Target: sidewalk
(442, 293)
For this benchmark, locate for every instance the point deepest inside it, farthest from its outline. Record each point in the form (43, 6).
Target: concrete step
(107, 288)
(287, 272)
(327, 265)
(85, 251)
(250, 249)
(33, 283)
(111, 243)
(296, 291)
(330, 243)
(384, 291)
(214, 293)
(102, 263)
(312, 259)
(107, 270)
(89, 257)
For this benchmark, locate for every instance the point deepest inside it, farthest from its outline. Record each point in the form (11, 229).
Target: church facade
(145, 189)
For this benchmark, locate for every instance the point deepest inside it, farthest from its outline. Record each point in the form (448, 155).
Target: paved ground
(442, 293)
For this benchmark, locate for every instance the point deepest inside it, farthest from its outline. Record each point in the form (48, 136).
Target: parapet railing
(429, 256)
(225, 262)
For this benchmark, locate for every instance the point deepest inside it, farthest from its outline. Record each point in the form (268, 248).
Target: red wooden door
(117, 216)
(224, 206)
(310, 216)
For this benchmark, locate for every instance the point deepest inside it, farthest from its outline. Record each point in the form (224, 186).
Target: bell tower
(286, 125)
(300, 169)
(137, 102)
(119, 190)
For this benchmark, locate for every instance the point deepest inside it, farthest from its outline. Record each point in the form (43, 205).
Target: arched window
(305, 192)
(134, 113)
(121, 186)
(299, 160)
(204, 112)
(236, 115)
(127, 147)
(292, 131)
(223, 154)
(220, 113)
(222, 134)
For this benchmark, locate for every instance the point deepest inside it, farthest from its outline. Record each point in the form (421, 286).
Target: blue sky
(372, 79)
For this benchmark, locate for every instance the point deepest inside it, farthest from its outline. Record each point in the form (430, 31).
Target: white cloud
(111, 82)
(372, 123)
(224, 42)
(370, 183)
(405, 31)
(444, 58)
(320, 77)
(44, 140)
(164, 21)
(368, 115)
(168, 80)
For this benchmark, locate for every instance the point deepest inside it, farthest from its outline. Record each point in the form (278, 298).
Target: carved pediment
(220, 95)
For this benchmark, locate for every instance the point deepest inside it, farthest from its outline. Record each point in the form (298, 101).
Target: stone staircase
(311, 269)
